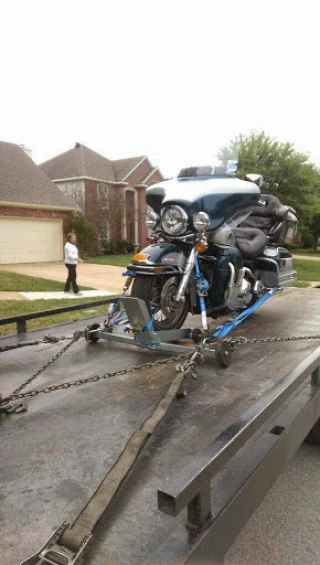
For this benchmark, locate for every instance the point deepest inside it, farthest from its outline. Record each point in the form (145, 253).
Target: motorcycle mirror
(257, 179)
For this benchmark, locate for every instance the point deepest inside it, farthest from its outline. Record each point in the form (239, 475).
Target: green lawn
(307, 252)
(16, 307)
(307, 270)
(116, 260)
(14, 282)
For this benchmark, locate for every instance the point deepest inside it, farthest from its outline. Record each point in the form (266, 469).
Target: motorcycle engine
(246, 292)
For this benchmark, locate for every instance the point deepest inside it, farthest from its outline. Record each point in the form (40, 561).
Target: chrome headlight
(174, 220)
(151, 220)
(201, 221)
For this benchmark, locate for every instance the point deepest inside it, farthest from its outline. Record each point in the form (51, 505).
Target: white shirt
(70, 254)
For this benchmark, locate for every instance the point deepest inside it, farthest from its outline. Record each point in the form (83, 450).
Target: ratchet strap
(228, 326)
(70, 544)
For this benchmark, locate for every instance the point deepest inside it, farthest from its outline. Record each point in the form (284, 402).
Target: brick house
(110, 194)
(32, 210)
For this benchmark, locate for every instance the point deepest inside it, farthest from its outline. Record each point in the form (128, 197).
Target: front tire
(158, 293)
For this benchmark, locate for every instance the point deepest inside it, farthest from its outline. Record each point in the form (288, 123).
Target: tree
(288, 174)
(84, 232)
(315, 229)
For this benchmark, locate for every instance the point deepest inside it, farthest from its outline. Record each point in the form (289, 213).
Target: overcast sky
(173, 80)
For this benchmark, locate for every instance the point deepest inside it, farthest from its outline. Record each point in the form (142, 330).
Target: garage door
(30, 241)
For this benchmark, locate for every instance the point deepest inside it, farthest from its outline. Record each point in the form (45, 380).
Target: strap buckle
(54, 554)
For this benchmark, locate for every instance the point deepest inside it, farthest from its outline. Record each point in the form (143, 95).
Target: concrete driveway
(101, 277)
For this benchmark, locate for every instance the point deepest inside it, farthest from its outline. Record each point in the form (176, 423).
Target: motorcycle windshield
(218, 169)
(213, 189)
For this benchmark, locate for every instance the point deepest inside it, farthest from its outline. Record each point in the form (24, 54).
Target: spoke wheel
(158, 294)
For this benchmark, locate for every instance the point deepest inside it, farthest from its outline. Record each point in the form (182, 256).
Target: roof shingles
(23, 182)
(82, 162)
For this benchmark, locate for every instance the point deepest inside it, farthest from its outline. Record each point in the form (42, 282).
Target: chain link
(46, 339)
(96, 378)
(76, 336)
(192, 359)
(243, 340)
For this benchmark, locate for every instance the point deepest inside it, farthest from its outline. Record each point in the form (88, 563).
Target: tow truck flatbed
(54, 456)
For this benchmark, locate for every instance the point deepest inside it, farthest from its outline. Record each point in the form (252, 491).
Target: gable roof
(123, 167)
(82, 162)
(23, 182)
(79, 162)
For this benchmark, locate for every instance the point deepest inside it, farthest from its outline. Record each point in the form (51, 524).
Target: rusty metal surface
(54, 456)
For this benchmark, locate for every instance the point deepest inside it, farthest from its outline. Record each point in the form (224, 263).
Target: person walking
(71, 259)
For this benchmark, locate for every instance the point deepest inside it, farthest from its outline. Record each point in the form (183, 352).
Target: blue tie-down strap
(121, 319)
(147, 327)
(129, 274)
(228, 326)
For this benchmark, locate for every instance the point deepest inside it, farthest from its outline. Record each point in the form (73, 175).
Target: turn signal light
(140, 257)
(201, 246)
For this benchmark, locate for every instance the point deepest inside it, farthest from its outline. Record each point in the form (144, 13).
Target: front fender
(170, 258)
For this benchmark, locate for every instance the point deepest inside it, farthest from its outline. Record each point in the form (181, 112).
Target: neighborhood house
(32, 210)
(110, 194)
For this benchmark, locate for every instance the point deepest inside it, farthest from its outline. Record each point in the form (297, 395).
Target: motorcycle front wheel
(158, 293)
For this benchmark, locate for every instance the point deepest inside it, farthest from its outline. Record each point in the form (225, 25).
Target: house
(32, 210)
(111, 194)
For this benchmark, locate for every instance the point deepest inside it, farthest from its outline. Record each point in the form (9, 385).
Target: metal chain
(75, 338)
(46, 339)
(96, 378)
(243, 340)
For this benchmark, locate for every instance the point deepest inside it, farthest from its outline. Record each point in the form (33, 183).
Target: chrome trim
(184, 218)
(186, 277)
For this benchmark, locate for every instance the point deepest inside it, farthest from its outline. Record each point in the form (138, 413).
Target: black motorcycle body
(214, 246)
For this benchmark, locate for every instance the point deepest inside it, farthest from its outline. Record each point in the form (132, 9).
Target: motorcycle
(213, 246)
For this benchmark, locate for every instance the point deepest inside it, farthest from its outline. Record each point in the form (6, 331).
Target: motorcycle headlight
(151, 220)
(174, 220)
(201, 221)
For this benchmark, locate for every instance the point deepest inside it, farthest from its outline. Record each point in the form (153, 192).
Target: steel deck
(54, 456)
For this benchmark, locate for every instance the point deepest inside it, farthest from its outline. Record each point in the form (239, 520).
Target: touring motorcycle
(213, 246)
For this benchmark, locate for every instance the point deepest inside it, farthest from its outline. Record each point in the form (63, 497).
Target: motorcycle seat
(250, 241)
(265, 216)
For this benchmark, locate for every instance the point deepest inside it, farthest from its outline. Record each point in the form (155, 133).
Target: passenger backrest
(265, 216)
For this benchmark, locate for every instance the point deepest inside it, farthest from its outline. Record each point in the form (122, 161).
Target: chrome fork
(186, 277)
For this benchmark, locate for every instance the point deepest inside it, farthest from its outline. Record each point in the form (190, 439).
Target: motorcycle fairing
(169, 257)
(220, 198)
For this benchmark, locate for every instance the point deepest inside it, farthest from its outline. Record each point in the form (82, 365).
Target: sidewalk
(106, 278)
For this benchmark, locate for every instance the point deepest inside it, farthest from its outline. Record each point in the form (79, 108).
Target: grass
(14, 282)
(116, 260)
(300, 284)
(16, 307)
(308, 252)
(307, 270)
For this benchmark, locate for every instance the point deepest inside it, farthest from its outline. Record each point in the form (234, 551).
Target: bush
(121, 246)
(292, 246)
(84, 232)
(307, 240)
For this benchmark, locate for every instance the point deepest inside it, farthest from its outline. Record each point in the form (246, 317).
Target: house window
(103, 232)
(102, 195)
